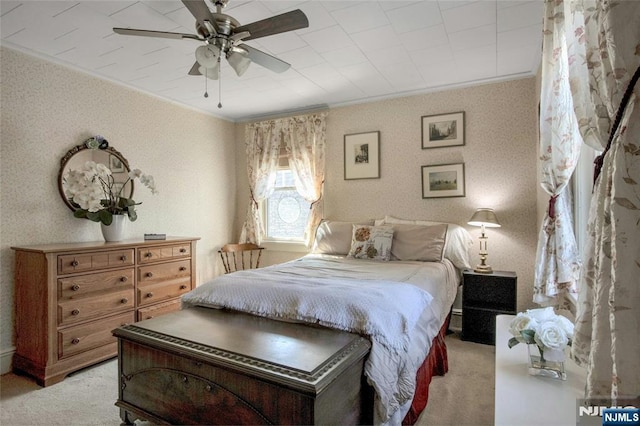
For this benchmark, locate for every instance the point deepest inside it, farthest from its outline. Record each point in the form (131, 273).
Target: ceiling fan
(222, 36)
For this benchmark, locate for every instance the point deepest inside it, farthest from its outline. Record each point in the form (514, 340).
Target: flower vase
(115, 231)
(538, 366)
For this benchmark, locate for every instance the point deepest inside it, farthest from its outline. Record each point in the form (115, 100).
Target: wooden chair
(237, 257)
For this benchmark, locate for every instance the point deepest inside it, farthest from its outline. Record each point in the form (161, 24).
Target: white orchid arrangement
(98, 197)
(542, 327)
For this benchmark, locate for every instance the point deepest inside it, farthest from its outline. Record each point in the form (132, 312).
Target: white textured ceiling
(352, 51)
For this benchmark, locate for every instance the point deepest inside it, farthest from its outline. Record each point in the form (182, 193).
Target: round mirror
(99, 153)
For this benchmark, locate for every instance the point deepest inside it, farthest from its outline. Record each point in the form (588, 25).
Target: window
(285, 212)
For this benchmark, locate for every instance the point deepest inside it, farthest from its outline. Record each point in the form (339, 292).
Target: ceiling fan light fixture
(211, 73)
(208, 55)
(239, 60)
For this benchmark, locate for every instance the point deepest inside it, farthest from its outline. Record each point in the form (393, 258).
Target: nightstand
(483, 297)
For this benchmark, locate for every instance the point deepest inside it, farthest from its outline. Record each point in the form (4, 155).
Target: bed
(391, 281)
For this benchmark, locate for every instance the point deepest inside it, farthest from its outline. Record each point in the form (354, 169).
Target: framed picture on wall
(115, 164)
(443, 130)
(443, 180)
(362, 155)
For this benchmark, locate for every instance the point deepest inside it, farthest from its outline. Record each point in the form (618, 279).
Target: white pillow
(457, 244)
(371, 242)
(418, 242)
(334, 237)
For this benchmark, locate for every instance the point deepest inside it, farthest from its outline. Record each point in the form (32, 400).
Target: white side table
(522, 399)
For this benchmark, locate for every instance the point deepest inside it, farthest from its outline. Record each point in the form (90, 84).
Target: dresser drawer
(70, 263)
(153, 293)
(151, 274)
(84, 308)
(153, 254)
(159, 309)
(83, 285)
(82, 338)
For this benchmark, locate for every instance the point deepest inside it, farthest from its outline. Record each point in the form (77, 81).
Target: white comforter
(401, 309)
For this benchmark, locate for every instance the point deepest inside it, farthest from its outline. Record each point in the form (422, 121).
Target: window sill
(287, 246)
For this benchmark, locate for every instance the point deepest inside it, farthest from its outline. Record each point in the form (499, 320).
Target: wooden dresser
(69, 298)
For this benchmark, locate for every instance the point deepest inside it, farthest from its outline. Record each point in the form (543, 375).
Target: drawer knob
(75, 263)
(149, 294)
(124, 257)
(75, 287)
(75, 341)
(123, 279)
(182, 287)
(208, 388)
(149, 274)
(75, 312)
(183, 250)
(148, 254)
(185, 379)
(183, 268)
(124, 300)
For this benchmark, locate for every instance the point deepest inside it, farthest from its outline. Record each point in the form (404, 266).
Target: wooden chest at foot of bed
(209, 366)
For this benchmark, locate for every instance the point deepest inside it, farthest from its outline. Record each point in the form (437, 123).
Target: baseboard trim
(6, 360)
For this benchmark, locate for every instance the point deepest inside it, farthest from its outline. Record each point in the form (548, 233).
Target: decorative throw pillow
(371, 242)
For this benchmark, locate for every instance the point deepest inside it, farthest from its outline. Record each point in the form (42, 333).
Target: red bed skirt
(435, 363)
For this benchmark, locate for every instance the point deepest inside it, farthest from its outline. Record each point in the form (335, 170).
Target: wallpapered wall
(500, 164)
(47, 109)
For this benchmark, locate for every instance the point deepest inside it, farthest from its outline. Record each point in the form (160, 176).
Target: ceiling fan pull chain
(219, 84)
(206, 93)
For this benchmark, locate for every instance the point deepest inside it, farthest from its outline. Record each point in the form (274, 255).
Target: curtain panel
(305, 140)
(262, 147)
(603, 41)
(557, 269)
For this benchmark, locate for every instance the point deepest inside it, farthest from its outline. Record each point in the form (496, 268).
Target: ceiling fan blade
(239, 36)
(265, 60)
(289, 21)
(162, 34)
(195, 69)
(201, 12)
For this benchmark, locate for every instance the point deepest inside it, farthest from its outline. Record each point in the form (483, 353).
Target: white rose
(550, 335)
(541, 314)
(522, 321)
(566, 325)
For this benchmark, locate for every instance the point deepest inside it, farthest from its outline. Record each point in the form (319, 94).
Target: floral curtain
(557, 268)
(262, 143)
(305, 139)
(603, 52)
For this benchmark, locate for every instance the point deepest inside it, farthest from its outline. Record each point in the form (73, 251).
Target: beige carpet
(463, 397)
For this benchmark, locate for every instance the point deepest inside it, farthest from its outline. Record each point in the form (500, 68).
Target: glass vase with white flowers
(550, 333)
(97, 195)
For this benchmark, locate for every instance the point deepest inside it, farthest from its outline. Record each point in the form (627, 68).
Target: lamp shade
(484, 217)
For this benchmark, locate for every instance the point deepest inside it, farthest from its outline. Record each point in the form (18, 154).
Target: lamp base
(483, 269)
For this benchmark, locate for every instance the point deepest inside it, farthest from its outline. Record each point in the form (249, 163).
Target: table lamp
(484, 218)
